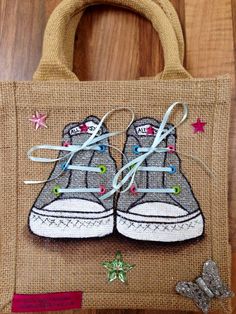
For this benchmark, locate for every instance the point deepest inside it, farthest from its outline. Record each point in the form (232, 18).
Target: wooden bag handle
(53, 65)
(166, 6)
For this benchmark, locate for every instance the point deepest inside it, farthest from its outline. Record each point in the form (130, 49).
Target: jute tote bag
(171, 220)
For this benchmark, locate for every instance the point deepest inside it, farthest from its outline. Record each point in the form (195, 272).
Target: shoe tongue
(147, 127)
(78, 133)
(146, 130)
(86, 127)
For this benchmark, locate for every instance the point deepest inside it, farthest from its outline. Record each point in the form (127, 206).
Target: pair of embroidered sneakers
(159, 206)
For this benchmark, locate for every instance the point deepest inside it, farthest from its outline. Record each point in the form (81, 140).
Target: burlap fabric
(33, 265)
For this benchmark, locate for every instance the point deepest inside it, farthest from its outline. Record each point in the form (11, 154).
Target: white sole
(160, 229)
(56, 224)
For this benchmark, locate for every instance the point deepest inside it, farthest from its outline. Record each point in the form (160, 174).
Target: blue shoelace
(92, 143)
(135, 165)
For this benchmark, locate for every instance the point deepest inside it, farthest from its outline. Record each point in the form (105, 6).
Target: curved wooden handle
(54, 66)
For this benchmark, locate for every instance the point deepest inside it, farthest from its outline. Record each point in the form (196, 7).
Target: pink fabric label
(60, 301)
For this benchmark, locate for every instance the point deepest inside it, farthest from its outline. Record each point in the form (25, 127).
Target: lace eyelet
(132, 166)
(177, 189)
(64, 166)
(102, 148)
(103, 169)
(133, 190)
(135, 149)
(103, 190)
(56, 190)
(173, 170)
(66, 144)
(171, 149)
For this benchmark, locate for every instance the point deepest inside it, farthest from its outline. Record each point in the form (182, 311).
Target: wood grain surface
(114, 44)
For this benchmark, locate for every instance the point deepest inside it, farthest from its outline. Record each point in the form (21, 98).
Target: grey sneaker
(169, 215)
(65, 207)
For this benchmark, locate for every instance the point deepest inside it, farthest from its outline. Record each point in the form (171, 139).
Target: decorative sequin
(39, 120)
(117, 269)
(206, 287)
(199, 126)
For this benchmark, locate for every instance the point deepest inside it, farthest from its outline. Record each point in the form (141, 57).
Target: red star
(83, 128)
(199, 126)
(150, 130)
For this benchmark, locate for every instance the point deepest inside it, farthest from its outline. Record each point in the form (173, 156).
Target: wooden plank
(210, 52)
(21, 31)
(104, 53)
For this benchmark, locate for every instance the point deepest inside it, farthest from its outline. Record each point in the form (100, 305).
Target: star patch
(150, 130)
(117, 269)
(198, 126)
(83, 128)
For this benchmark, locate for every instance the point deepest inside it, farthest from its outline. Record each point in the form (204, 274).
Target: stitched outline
(156, 222)
(69, 217)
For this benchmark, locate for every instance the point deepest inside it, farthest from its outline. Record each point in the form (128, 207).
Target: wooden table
(113, 44)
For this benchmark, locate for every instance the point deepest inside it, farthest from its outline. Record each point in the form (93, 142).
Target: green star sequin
(117, 268)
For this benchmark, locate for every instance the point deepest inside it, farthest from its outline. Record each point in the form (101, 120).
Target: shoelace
(91, 144)
(135, 165)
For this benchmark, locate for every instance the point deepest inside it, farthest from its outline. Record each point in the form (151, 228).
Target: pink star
(150, 130)
(83, 128)
(199, 126)
(39, 120)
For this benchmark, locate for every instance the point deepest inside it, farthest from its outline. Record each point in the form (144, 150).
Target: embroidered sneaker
(69, 204)
(160, 205)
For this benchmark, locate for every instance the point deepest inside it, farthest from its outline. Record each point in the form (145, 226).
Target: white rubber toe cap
(158, 209)
(74, 205)
(161, 222)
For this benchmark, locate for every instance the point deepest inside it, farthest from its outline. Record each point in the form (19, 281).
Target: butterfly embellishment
(206, 287)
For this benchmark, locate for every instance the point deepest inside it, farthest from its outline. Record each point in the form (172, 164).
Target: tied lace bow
(133, 166)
